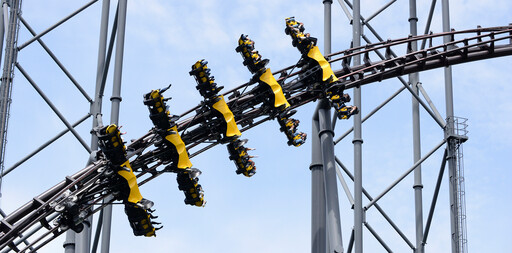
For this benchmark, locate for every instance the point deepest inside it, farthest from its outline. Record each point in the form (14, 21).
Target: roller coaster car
(111, 144)
(188, 183)
(267, 80)
(302, 41)
(136, 207)
(167, 129)
(338, 103)
(315, 66)
(329, 83)
(205, 83)
(228, 128)
(315, 59)
(159, 114)
(275, 100)
(289, 127)
(179, 155)
(238, 154)
(216, 104)
(252, 58)
(139, 216)
(344, 112)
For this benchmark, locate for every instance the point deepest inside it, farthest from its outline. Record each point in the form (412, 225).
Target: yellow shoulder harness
(175, 139)
(231, 127)
(270, 80)
(131, 180)
(314, 53)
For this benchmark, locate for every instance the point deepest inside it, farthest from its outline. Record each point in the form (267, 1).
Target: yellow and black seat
(126, 187)
(228, 125)
(221, 122)
(289, 127)
(268, 82)
(139, 217)
(188, 183)
(205, 83)
(238, 154)
(302, 41)
(166, 127)
(252, 58)
(186, 176)
(274, 100)
(318, 70)
(158, 112)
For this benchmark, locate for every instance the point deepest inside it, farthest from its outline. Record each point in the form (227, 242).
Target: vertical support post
(327, 148)
(69, 243)
(83, 239)
(418, 186)
(358, 140)
(451, 158)
(3, 26)
(318, 219)
(11, 53)
(114, 114)
(98, 98)
(118, 67)
(327, 26)
(331, 188)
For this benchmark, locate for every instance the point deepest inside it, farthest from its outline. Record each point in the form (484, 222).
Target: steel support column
(11, 41)
(448, 131)
(418, 186)
(318, 219)
(83, 239)
(70, 242)
(3, 26)
(334, 237)
(358, 140)
(114, 113)
(331, 188)
(118, 67)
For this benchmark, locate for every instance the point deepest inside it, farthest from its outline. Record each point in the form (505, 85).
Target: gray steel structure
(453, 144)
(74, 242)
(326, 222)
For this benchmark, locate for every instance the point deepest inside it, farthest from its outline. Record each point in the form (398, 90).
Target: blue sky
(270, 211)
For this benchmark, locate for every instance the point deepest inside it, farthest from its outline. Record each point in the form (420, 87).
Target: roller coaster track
(87, 187)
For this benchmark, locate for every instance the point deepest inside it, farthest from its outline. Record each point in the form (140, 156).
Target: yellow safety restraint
(127, 173)
(314, 53)
(125, 170)
(175, 139)
(231, 127)
(270, 80)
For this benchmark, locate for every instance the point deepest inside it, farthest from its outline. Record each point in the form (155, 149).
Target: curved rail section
(215, 121)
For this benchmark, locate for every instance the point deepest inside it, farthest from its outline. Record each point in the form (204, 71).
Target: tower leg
(318, 219)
